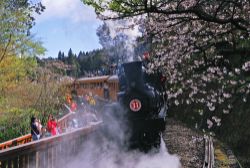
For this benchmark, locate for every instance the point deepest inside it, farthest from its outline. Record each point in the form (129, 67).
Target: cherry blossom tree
(201, 46)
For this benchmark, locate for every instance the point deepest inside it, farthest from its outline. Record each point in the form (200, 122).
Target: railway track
(209, 152)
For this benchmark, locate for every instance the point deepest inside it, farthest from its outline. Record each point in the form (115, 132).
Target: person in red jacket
(52, 125)
(73, 106)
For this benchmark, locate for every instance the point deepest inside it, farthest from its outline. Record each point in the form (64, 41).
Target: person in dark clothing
(106, 91)
(34, 129)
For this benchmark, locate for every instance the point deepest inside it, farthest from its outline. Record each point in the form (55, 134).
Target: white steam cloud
(93, 156)
(107, 149)
(127, 27)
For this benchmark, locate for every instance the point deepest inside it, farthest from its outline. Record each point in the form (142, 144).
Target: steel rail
(209, 152)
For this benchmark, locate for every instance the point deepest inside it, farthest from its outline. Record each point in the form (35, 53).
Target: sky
(66, 24)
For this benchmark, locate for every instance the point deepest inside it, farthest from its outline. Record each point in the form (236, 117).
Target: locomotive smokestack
(133, 74)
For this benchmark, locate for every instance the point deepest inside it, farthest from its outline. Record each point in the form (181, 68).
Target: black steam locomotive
(138, 118)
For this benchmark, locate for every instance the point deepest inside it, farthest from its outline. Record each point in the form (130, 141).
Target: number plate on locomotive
(135, 105)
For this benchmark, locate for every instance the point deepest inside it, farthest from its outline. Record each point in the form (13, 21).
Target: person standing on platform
(52, 125)
(73, 106)
(35, 133)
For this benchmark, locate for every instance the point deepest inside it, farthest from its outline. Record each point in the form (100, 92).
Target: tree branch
(5, 49)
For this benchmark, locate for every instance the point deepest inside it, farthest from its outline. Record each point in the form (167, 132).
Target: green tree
(18, 49)
(16, 43)
(59, 57)
(71, 57)
(16, 20)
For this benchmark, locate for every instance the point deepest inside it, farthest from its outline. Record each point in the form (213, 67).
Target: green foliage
(15, 23)
(116, 5)
(82, 64)
(14, 69)
(19, 96)
(15, 122)
(41, 97)
(95, 4)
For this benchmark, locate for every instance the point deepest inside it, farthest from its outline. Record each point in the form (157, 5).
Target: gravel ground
(224, 156)
(184, 142)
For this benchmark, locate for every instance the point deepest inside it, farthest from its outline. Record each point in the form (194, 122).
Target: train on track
(136, 115)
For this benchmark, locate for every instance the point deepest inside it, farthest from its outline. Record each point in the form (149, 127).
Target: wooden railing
(62, 124)
(15, 142)
(51, 152)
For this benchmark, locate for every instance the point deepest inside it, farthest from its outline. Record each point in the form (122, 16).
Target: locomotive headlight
(135, 105)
